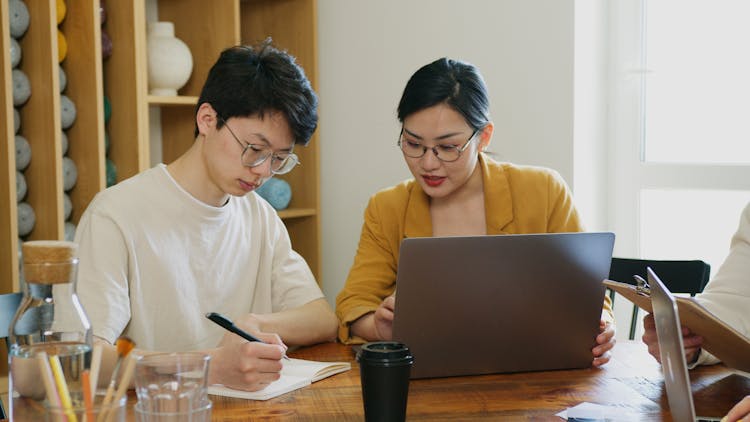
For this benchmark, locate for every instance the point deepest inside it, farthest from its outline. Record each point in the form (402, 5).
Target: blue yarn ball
(277, 192)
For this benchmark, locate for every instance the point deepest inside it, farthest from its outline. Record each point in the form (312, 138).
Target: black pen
(228, 325)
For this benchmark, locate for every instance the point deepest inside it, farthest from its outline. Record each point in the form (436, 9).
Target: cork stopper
(49, 261)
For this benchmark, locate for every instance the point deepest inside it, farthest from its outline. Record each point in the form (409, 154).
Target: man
(160, 250)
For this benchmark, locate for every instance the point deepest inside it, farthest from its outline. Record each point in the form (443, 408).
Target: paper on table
(596, 412)
(297, 373)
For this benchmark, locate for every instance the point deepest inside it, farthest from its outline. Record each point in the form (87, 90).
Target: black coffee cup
(384, 369)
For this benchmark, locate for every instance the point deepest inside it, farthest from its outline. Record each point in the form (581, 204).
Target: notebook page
(314, 370)
(297, 373)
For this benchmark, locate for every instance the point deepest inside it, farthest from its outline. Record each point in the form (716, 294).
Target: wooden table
(632, 380)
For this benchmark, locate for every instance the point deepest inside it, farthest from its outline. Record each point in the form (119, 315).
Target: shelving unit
(207, 28)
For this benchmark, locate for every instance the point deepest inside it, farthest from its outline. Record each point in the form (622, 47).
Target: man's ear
(485, 136)
(205, 118)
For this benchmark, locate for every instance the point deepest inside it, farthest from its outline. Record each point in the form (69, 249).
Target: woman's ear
(485, 136)
(205, 118)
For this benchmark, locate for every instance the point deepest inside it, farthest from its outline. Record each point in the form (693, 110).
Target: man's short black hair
(255, 80)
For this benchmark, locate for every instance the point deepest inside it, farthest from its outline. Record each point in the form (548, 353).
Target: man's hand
(245, 365)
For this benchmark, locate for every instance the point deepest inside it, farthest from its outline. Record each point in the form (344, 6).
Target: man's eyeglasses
(445, 153)
(254, 155)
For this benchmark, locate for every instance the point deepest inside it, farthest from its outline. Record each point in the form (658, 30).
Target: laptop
(671, 350)
(506, 303)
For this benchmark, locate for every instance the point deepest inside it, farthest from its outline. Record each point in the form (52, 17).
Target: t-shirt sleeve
(727, 295)
(103, 274)
(292, 281)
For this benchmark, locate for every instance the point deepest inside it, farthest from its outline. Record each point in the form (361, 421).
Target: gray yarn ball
(15, 53)
(64, 141)
(67, 112)
(67, 206)
(23, 152)
(21, 186)
(26, 219)
(16, 119)
(21, 87)
(70, 173)
(63, 79)
(70, 231)
(19, 18)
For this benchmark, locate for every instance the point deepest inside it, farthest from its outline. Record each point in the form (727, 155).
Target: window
(679, 127)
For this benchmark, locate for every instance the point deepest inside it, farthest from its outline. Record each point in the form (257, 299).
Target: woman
(444, 112)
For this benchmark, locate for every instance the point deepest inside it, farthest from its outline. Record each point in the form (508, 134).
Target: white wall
(369, 49)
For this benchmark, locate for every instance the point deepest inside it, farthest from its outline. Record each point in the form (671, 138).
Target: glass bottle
(50, 319)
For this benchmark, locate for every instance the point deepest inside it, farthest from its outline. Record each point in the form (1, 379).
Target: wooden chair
(688, 277)
(8, 305)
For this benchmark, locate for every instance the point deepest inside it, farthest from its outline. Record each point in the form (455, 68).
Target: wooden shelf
(207, 28)
(297, 213)
(155, 100)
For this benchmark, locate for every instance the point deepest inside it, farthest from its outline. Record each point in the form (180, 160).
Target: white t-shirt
(153, 260)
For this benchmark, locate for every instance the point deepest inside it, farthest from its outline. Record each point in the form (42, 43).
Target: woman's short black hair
(255, 80)
(456, 83)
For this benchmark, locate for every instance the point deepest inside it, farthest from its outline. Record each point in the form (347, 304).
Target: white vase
(169, 60)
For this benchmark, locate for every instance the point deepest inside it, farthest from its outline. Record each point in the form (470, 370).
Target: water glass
(172, 386)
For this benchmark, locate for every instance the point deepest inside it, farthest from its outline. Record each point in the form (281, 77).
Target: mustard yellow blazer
(518, 200)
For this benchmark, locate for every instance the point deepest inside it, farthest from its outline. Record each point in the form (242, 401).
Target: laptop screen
(671, 351)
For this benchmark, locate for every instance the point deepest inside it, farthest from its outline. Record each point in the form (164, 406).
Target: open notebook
(297, 373)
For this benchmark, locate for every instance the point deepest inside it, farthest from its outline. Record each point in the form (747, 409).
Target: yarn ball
(106, 45)
(16, 119)
(111, 173)
(70, 231)
(21, 87)
(15, 53)
(26, 218)
(62, 9)
(70, 173)
(67, 206)
(64, 142)
(19, 18)
(62, 46)
(67, 112)
(23, 152)
(277, 192)
(63, 78)
(102, 12)
(21, 186)
(107, 109)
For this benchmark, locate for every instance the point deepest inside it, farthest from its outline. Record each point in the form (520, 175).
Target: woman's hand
(605, 342)
(384, 318)
(377, 325)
